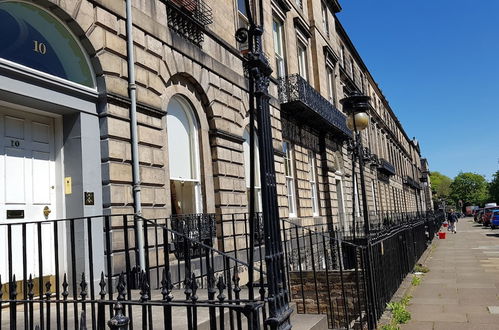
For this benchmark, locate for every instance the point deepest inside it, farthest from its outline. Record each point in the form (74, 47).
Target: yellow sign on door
(68, 186)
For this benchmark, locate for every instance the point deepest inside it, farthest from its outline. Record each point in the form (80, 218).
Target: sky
(437, 62)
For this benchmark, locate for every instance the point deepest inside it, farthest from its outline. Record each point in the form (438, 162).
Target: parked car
(494, 219)
(487, 214)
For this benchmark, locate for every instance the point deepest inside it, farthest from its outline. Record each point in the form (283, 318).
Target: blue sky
(437, 62)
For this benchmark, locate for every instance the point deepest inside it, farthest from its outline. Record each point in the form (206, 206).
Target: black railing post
(259, 72)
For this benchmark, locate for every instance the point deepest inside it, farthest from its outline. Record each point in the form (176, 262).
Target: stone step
(309, 321)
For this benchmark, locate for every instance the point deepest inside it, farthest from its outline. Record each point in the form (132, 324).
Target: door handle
(46, 211)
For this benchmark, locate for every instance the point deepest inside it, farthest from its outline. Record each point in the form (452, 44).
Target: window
(183, 152)
(313, 183)
(302, 60)
(258, 188)
(374, 197)
(242, 22)
(278, 31)
(290, 180)
(352, 69)
(325, 23)
(342, 55)
(299, 3)
(330, 83)
(341, 205)
(241, 8)
(36, 39)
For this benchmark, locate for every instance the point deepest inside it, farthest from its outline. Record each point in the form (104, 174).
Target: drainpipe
(135, 140)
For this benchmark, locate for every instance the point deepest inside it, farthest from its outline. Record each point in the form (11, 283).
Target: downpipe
(132, 89)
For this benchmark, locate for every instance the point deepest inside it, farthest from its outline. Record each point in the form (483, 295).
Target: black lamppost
(259, 71)
(356, 107)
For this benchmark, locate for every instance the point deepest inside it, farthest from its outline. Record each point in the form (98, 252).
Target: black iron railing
(97, 280)
(84, 270)
(189, 18)
(326, 268)
(325, 274)
(386, 167)
(296, 94)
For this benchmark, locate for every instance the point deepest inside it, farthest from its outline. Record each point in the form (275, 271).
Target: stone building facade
(193, 111)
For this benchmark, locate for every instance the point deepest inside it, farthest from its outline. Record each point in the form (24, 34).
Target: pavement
(461, 290)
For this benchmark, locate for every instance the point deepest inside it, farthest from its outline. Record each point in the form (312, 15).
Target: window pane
(302, 61)
(179, 141)
(241, 7)
(34, 38)
(330, 83)
(278, 47)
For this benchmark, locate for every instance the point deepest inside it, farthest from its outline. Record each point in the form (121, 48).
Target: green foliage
(440, 184)
(494, 188)
(416, 280)
(469, 187)
(421, 269)
(390, 327)
(400, 315)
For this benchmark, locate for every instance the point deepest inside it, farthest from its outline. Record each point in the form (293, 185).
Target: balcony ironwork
(411, 182)
(197, 227)
(189, 18)
(302, 101)
(386, 167)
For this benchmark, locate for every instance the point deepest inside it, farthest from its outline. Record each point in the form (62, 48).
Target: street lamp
(356, 106)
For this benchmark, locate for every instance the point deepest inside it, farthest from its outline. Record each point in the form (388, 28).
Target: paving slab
(417, 325)
(463, 326)
(462, 283)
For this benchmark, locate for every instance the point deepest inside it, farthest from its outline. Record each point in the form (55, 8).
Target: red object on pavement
(445, 224)
(441, 235)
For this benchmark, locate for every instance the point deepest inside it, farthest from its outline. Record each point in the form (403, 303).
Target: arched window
(184, 157)
(247, 167)
(34, 38)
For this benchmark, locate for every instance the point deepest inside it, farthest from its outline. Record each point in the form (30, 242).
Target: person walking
(452, 219)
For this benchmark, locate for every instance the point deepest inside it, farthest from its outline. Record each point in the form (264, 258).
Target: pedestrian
(452, 218)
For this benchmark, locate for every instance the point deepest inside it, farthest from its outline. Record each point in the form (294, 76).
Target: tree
(440, 184)
(469, 188)
(494, 188)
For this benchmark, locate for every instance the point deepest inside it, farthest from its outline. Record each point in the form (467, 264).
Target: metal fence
(201, 270)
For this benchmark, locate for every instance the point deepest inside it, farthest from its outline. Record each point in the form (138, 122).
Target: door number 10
(39, 47)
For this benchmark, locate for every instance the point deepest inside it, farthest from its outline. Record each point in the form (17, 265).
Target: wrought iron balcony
(302, 101)
(386, 167)
(411, 182)
(197, 227)
(189, 18)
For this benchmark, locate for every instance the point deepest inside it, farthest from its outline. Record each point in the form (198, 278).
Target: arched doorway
(50, 152)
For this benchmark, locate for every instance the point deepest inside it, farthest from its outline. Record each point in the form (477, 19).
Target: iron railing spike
(221, 287)
(102, 284)
(13, 288)
(48, 286)
(121, 287)
(187, 286)
(83, 286)
(194, 288)
(144, 289)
